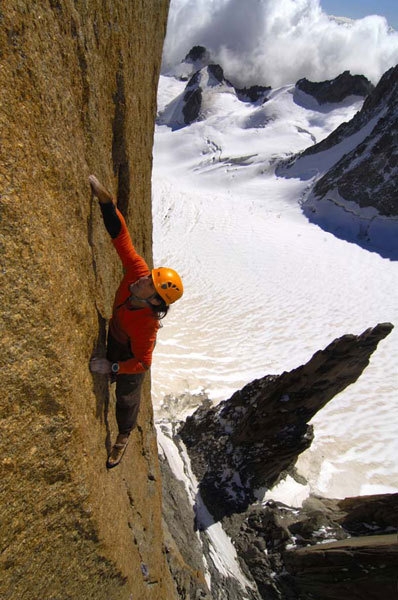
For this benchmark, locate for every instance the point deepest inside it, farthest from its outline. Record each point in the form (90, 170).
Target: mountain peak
(198, 54)
(197, 97)
(197, 58)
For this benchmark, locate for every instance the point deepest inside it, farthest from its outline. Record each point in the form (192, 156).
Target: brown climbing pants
(128, 387)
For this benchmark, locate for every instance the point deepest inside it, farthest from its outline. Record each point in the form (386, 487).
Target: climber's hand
(101, 366)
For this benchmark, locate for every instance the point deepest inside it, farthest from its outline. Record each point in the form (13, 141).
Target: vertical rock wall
(77, 95)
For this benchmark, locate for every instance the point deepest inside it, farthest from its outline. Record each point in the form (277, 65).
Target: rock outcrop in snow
(196, 59)
(355, 170)
(338, 89)
(248, 441)
(196, 98)
(325, 549)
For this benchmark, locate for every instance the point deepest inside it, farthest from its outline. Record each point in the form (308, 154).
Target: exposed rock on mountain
(355, 568)
(356, 167)
(326, 549)
(199, 546)
(212, 76)
(311, 552)
(336, 90)
(204, 84)
(362, 515)
(254, 94)
(183, 550)
(367, 174)
(248, 441)
(78, 95)
(198, 56)
(196, 59)
(382, 100)
(197, 96)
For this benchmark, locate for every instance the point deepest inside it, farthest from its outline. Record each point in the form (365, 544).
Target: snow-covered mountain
(356, 170)
(265, 288)
(206, 80)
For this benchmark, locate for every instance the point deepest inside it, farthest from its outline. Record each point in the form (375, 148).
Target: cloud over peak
(276, 42)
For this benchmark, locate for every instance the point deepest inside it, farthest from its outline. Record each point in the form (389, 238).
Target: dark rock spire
(246, 442)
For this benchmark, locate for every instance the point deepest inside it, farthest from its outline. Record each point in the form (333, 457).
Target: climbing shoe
(117, 451)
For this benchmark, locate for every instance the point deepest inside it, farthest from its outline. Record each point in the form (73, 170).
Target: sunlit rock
(78, 96)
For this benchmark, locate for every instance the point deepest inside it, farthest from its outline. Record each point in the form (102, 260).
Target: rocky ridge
(248, 441)
(374, 160)
(337, 89)
(354, 172)
(206, 78)
(326, 549)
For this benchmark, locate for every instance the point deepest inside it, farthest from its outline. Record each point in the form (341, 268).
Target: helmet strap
(133, 298)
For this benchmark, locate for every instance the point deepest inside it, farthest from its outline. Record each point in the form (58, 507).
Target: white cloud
(275, 42)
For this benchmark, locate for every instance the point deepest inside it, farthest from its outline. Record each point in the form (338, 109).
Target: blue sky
(356, 9)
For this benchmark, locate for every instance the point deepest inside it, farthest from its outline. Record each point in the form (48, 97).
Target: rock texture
(254, 94)
(315, 552)
(368, 173)
(248, 441)
(78, 95)
(194, 543)
(326, 549)
(354, 171)
(183, 547)
(354, 569)
(336, 90)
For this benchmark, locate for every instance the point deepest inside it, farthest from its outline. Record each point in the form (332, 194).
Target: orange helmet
(167, 284)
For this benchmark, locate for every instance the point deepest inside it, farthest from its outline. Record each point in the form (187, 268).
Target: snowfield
(265, 288)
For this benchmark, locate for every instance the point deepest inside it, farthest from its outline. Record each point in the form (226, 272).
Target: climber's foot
(117, 451)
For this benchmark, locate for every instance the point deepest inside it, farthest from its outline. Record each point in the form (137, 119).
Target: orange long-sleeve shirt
(136, 327)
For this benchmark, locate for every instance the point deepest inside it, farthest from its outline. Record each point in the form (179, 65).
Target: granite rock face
(78, 87)
(248, 441)
(364, 567)
(183, 549)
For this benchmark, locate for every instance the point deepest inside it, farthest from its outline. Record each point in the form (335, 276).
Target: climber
(142, 299)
